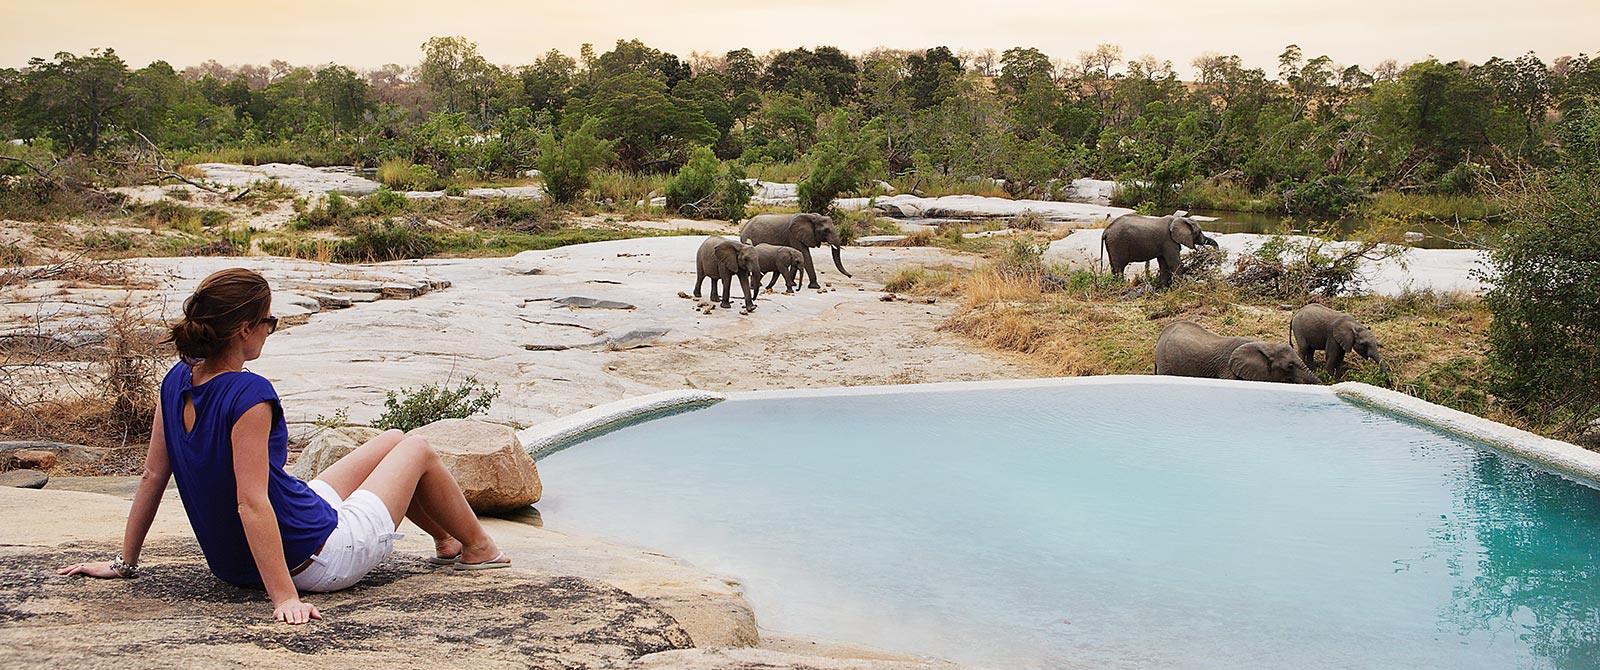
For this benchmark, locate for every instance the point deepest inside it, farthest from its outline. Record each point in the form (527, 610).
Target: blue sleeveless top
(202, 464)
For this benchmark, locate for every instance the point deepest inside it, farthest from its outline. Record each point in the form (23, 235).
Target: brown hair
(225, 303)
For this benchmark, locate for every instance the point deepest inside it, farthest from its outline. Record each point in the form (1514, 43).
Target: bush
(707, 189)
(838, 164)
(1544, 342)
(410, 409)
(1329, 195)
(1297, 266)
(694, 182)
(331, 211)
(387, 241)
(384, 202)
(401, 175)
(566, 164)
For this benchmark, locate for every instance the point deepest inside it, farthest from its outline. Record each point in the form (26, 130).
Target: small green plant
(384, 202)
(331, 211)
(338, 419)
(400, 174)
(409, 409)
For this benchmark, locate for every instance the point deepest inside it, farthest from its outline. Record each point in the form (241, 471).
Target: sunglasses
(272, 324)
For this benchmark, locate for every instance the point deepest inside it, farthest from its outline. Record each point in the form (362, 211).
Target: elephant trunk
(1207, 241)
(837, 263)
(1304, 375)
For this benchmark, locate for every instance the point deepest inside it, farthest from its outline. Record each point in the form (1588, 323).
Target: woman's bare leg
(347, 474)
(413, 472)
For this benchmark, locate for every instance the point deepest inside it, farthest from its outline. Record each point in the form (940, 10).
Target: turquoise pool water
(1110, 525)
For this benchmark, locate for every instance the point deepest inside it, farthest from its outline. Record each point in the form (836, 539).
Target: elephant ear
(728, 257)
(1250, 362)
(1183, 231)
(803, 229)
(1345, 334)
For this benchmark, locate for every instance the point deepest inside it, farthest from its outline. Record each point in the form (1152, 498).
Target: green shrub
(410, 409)
(1544, 342)
(384, 202)
(330, 211)
(401, 175)
(386, 241)
(1328, 195)
(839, 164)
(567, 163)
(694, 182)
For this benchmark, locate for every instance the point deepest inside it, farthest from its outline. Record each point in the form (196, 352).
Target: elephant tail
(1102, 248)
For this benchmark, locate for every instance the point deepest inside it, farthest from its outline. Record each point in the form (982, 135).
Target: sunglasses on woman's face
(272, 324)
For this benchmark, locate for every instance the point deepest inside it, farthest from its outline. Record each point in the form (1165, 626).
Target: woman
(220, 430)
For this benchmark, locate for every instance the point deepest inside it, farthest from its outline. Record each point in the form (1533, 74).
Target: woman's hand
(294, 612)
(101, 569)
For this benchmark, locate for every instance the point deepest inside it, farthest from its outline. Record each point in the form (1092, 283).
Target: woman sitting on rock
(220, 430)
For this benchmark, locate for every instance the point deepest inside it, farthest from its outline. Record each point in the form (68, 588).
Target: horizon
(257, 35)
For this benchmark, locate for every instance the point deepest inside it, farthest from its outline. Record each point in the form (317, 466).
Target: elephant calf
(1187, 349)
(1316, 327)
(721, 259)
(785, 261)
(1132, 238)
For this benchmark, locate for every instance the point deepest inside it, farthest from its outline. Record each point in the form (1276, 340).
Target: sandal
(445, 560)
(499, 561)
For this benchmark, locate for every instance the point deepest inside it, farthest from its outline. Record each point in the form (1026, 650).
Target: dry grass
(1434, 343)
(99, 393)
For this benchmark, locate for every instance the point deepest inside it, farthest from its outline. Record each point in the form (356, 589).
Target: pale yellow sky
(369, 34)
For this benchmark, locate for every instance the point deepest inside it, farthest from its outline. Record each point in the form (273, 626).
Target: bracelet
(124, 569)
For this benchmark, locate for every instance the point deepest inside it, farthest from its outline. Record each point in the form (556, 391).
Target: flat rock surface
(404, 614)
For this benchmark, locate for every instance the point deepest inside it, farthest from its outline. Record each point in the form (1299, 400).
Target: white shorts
(364, 537)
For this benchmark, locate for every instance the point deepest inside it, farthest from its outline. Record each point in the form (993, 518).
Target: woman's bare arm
(251, 472)
(152, 485)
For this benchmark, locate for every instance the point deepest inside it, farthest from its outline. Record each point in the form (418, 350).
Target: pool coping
(1555, 456)
(1562, 458)
(556, 434)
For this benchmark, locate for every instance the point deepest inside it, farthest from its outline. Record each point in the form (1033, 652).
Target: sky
(369, 34)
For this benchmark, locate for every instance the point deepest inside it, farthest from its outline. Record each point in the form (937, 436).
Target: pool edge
(1562, 458)
(562, 432)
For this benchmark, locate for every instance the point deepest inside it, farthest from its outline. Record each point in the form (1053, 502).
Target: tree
(567, 163)
(1019, 67)
(1544, 341)
(930, 75)
(547, 83)
(841, 162)
(75, 99)
(827, 73)
(458, 75)
(652, 128)
(343, 95)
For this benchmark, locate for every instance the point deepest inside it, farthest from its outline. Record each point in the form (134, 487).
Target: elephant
(1132, 238)
(1316, 327)
(721, 259)
(800, 231)
(785, 261)
(1187, 349)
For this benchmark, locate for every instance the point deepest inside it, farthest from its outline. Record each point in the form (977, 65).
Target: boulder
(488, 461)
(30, 459)
(24, 479)
(328, 446)
(69, 454)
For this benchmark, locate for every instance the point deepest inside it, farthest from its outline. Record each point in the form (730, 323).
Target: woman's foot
(482, 556)
(446, 551)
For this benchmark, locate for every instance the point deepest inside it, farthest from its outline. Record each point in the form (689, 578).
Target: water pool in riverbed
(1130, 524)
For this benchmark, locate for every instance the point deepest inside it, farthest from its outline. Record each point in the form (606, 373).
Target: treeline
(1311, 136)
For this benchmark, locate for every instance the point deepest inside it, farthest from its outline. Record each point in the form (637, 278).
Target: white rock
(346, 180)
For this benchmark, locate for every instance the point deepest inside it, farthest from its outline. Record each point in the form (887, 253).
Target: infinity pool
(1108, 525)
